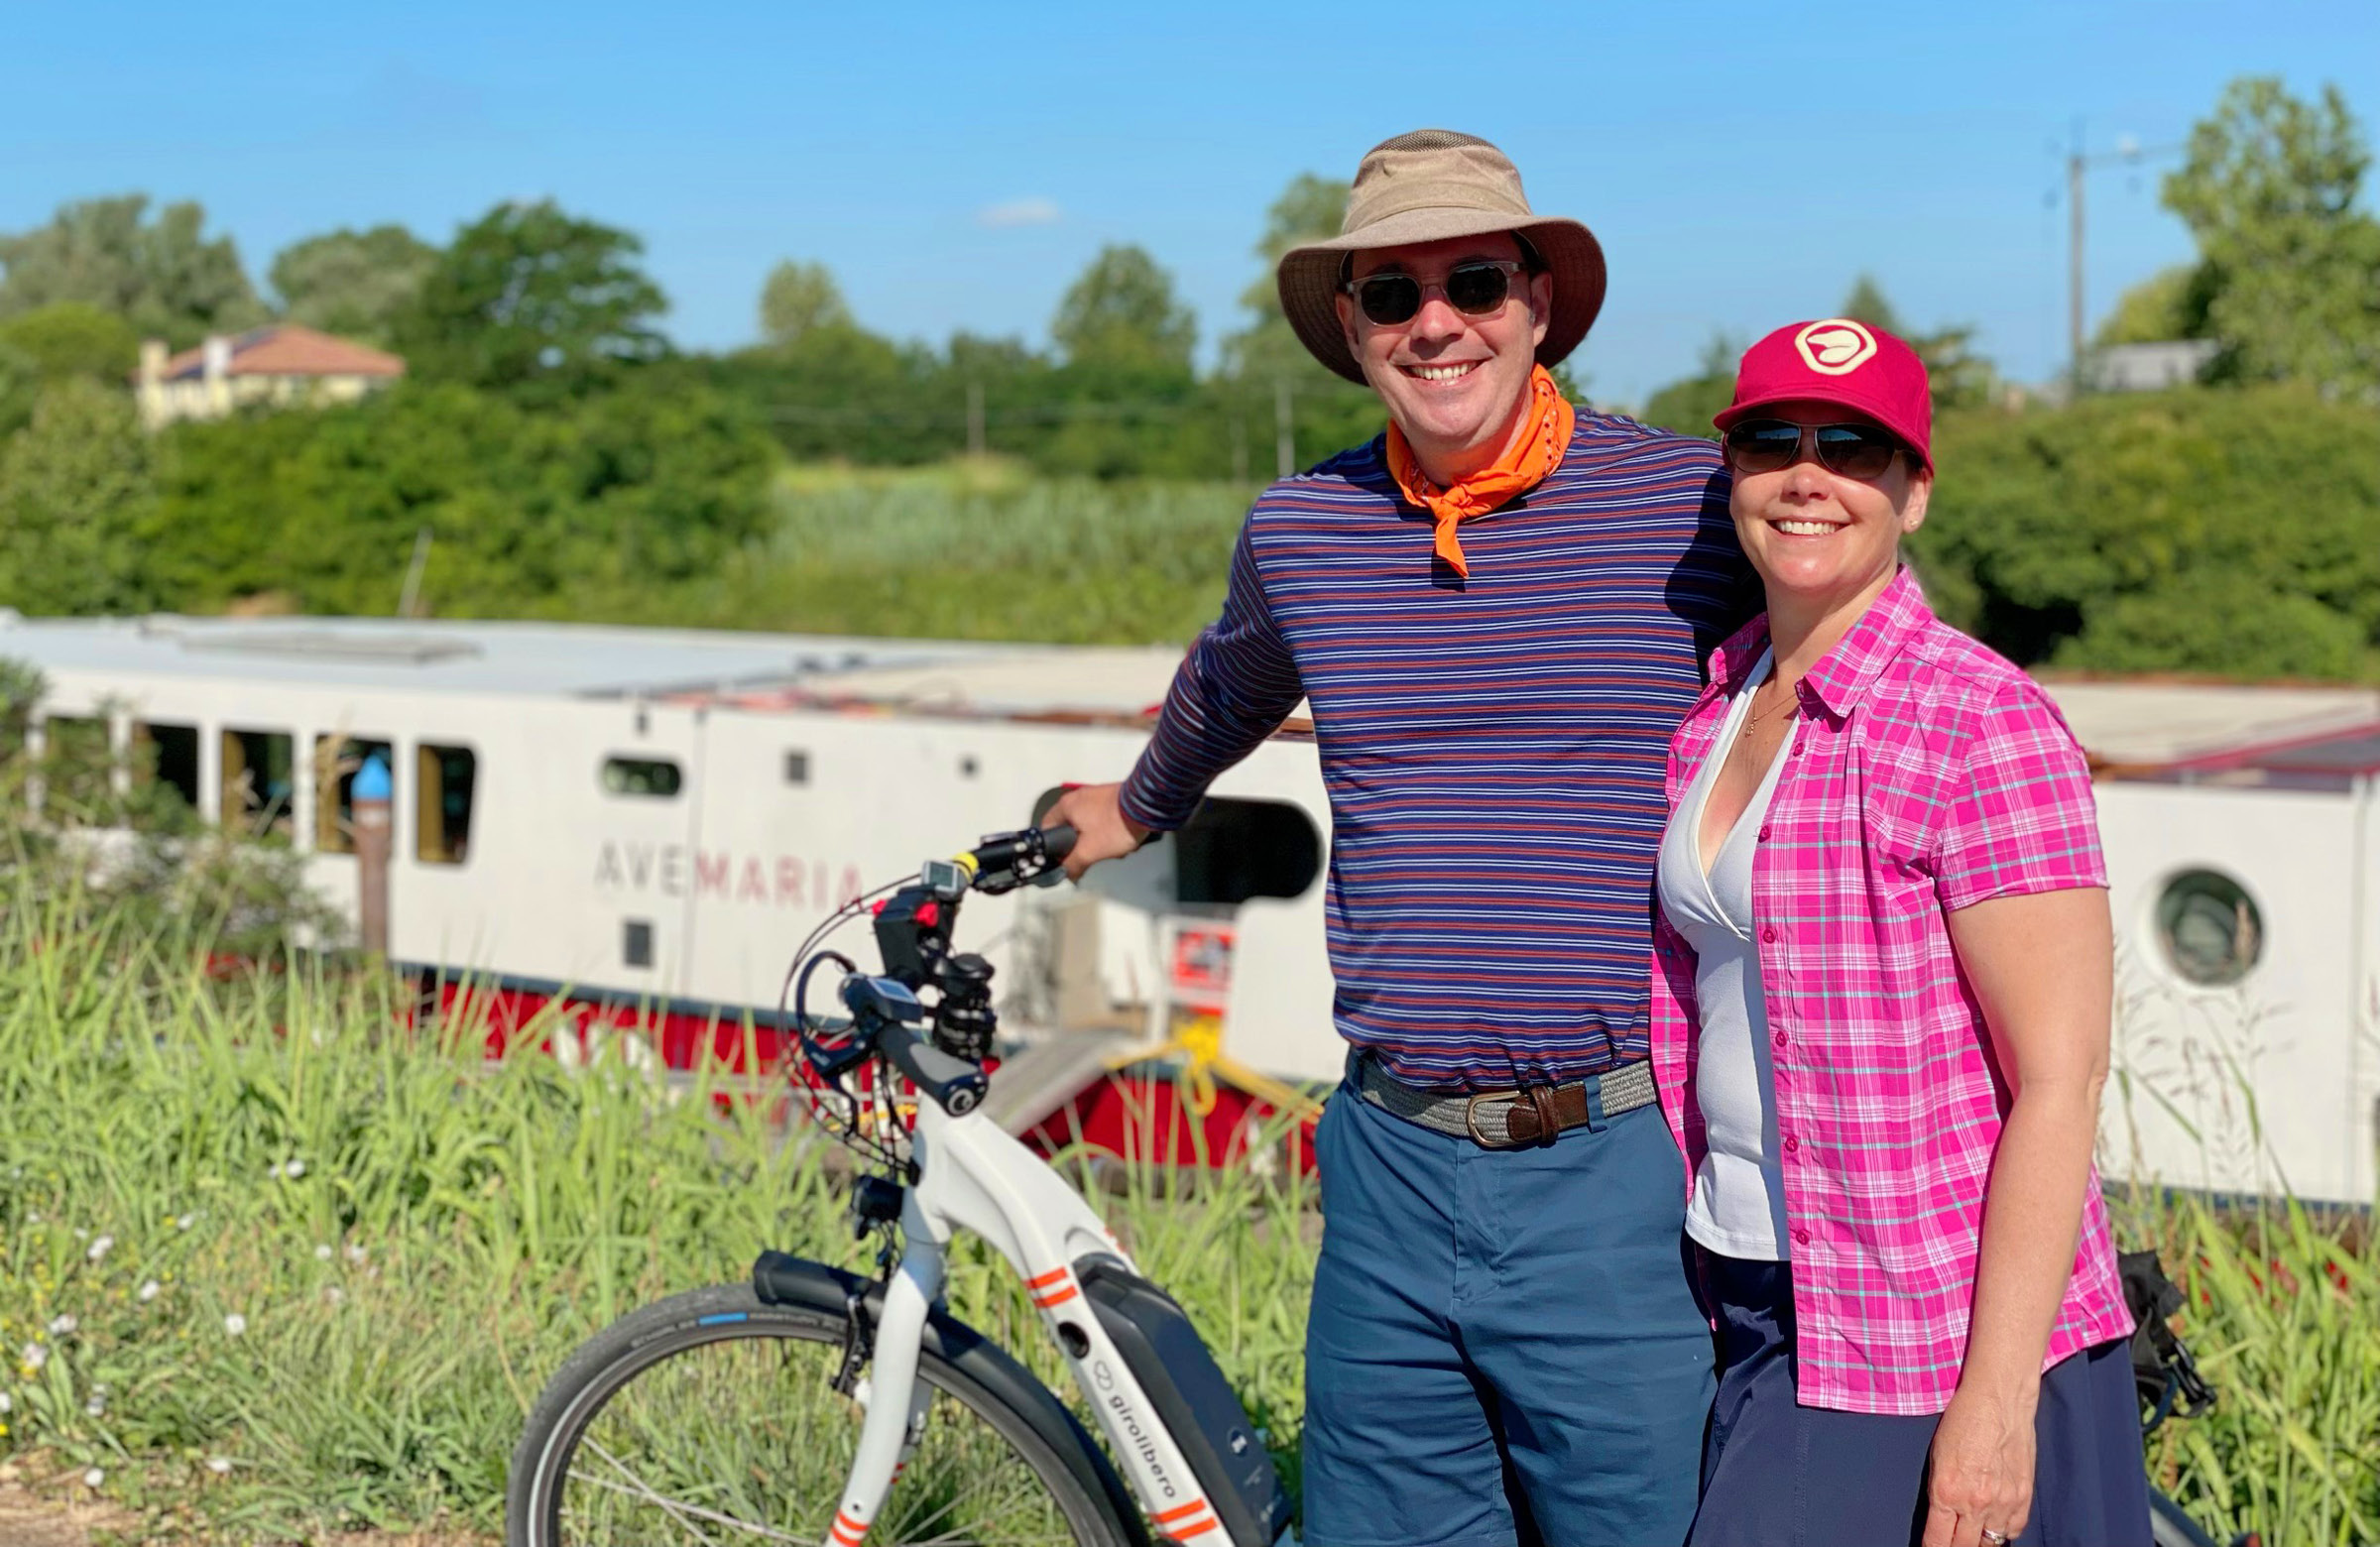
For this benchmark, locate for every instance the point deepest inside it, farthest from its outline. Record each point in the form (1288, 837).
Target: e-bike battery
(1197, 1405)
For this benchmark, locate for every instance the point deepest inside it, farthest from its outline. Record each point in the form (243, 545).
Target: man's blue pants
(1503, 1346)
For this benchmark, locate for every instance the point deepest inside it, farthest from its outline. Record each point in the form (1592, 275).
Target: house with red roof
(280, 364)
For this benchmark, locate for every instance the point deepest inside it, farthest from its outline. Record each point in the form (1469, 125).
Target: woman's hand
(1980, 1476)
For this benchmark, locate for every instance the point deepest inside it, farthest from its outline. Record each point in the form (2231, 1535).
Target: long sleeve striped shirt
(1492, 747)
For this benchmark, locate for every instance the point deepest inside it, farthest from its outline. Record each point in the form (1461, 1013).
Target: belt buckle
(1470, 1120)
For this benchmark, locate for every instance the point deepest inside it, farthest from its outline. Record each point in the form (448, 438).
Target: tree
(1687, 405)
(1309, 210)
(76, 496)
(800, 299)
(2168, 305)
(63, 342)
(530, 294)
(163, 276)
(352, 282)
(2269, 191)
(1122, 315)
(2234, 532)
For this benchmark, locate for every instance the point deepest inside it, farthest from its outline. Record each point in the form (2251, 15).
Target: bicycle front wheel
(709, 1418)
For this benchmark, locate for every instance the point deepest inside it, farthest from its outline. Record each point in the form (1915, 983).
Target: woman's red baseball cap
(1839, 361)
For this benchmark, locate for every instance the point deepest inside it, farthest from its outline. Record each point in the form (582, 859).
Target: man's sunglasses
(1861, 451)
(1475, 288)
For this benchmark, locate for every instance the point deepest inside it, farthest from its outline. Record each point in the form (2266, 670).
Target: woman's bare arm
(2043, 969)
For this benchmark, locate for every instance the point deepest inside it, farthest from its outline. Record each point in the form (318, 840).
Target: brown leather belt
(1510, 1119)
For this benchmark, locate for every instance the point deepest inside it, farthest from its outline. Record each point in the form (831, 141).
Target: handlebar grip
(955, 1085)
(1058, 843)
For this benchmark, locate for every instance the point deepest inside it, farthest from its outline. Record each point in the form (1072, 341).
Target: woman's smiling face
(1816, 535)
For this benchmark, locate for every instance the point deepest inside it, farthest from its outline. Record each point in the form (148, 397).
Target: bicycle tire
(539, 1494)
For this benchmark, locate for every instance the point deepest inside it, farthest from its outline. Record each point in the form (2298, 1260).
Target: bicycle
(2166, 1378)
(727, 1414)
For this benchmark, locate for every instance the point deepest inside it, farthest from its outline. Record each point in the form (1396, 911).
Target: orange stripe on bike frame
(1171, 1515)
(1059, 1298)
(845, 1524)
(1194, 1528)
(1047, 1280)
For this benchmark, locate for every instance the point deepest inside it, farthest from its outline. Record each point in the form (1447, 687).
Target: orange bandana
(1523, 467)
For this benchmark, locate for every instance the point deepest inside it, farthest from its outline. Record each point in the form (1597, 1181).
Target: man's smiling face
(1454, 383)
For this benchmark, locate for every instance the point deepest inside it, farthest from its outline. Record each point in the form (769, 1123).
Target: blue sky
(956, 166)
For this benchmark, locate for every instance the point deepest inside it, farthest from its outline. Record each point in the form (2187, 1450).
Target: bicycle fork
(896, 1399)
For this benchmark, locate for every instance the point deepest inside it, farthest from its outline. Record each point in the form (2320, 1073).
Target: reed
(968, 549)
(274, 1265)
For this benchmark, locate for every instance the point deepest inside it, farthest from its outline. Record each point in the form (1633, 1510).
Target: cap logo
(1836, 346)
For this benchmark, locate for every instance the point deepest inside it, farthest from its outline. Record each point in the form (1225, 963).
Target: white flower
(220, 1466)
(8, 1403)
(93, 1478)
(294, 1170)
(323, 1252)
(149, 1290)
(80, 1233)
(355, 1253)
(60, 1326)
(235, 1324)
(33, 1215)
(34, 1355)
(94, 1407)
(332, 1294)
(101, 1248)
(185, 1221)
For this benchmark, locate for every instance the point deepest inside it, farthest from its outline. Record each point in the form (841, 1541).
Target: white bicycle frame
(973, 1176)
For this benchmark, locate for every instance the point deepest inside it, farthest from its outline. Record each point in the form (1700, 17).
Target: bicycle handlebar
(953, 1083)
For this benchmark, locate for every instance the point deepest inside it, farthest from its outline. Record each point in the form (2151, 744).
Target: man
(1498, 612)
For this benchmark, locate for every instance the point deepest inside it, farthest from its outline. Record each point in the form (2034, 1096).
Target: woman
(1881, 1019)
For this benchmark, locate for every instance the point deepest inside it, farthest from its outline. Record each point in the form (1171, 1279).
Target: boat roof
(2133, 728)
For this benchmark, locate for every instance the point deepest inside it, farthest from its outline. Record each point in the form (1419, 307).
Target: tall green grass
(273, 1261)
(966, 549)
(268, 1254)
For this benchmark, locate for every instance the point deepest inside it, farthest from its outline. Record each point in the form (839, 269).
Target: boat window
(2210, 928)
(1233, 850)
(654, 776)
(260, 781)
(635, 942)
(797, 767)
(337, 761)
(76, 762)
(164, 758)
(443, 778)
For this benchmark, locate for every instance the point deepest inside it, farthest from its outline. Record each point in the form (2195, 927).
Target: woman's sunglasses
(1475, 288)
(1859, 451)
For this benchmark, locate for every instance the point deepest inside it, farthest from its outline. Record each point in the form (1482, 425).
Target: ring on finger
(1992, 1538)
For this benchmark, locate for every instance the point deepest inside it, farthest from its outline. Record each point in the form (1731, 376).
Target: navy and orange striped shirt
(1493, 747)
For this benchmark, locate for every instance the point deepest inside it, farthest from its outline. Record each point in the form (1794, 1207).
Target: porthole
(652, 777)
(2208, 927)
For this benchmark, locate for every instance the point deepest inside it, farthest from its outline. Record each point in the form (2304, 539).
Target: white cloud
(1020, 212)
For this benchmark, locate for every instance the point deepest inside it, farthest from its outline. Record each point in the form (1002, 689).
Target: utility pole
(1285, 425)
(2077, 162)
(2074, 166)
(975, 418)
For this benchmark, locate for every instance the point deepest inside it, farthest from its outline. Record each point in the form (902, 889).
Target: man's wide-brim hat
(1427, 187)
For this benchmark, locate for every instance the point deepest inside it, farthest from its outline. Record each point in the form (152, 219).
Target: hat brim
(1308, 276)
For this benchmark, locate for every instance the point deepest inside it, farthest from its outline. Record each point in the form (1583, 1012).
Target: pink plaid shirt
(1926, 774)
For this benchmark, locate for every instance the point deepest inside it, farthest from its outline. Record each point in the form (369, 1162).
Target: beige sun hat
(1425, 186)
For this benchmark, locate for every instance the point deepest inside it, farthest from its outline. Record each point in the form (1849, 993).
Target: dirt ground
(46, 1513)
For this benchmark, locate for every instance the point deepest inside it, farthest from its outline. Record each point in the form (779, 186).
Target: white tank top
(1738, 1206)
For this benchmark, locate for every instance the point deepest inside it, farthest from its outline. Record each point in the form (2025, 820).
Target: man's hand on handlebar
(1103, 831)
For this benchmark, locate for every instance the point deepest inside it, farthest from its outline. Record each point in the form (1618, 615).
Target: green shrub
(2235, 532)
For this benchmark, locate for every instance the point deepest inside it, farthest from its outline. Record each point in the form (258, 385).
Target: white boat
(643, 823)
